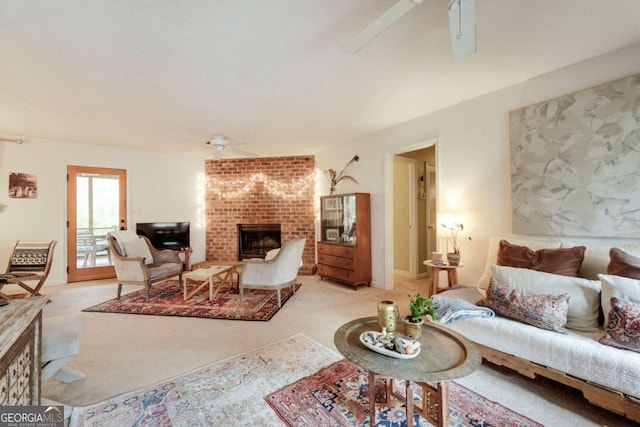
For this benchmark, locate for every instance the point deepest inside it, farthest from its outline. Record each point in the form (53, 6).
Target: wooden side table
(187, 258)
(452, 275)
(445, 355)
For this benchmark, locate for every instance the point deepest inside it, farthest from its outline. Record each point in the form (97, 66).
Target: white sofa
(608, 377)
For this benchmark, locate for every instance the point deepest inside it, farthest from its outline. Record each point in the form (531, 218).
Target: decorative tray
(392, 345)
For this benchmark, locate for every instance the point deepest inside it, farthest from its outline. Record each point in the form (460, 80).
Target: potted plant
(419, 307)
(451, 231)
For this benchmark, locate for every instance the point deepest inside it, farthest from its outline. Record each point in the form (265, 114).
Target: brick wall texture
(274, 190)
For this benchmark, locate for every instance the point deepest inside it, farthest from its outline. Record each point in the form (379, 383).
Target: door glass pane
(97, 211)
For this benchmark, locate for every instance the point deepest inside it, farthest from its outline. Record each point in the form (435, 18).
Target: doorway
(421, 185)
(96, 205)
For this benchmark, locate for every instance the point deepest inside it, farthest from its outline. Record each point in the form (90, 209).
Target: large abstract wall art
(575, 163)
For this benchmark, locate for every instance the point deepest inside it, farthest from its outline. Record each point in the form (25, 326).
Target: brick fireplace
(260, 191)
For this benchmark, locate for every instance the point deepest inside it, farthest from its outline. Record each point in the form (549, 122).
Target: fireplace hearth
(255, 240)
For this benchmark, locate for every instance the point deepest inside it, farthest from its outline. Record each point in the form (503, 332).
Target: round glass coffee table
(444, 355)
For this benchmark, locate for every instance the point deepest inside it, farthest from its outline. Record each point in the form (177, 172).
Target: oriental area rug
(262, 388)
(338, 395)
(166, 299)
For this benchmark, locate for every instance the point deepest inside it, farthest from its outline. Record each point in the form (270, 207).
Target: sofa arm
(131, 268)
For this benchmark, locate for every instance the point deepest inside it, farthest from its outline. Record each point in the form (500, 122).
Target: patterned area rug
(338, 395)
(166, 299)
(226, 393)
(295, 374)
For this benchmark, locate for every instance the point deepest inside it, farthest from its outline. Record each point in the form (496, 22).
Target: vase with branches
(335, 177)
(452, 234)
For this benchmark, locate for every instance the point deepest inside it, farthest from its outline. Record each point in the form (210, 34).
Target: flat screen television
(165, 235)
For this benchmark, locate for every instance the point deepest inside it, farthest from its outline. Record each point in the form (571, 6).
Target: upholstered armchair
(274, 273)
(137, 262)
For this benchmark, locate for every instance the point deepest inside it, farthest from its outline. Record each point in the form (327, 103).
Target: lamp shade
(449, 221)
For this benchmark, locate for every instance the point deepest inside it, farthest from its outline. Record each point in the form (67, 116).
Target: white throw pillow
(138, 248)
(492, 257)
(617, 286)
(584, 294)
(122, 236)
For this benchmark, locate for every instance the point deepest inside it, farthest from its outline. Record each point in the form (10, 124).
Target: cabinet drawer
(336, 250)
(338, 273)
(346, 263)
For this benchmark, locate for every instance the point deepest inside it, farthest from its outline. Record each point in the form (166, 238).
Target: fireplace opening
(255, 240)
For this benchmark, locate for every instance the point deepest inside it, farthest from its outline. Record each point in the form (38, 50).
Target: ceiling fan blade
(372, 30)
(462, 28)
(237, 151)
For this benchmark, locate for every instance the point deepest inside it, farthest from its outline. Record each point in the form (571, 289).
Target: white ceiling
(271, 74)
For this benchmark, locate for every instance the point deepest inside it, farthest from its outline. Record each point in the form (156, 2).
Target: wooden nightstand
(452, 275)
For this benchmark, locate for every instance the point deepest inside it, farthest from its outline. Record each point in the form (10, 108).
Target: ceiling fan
(220, 144)
(462, 26)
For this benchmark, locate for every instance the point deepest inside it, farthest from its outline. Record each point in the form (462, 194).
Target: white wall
(473, 166)
(473, 155)
(161, 187)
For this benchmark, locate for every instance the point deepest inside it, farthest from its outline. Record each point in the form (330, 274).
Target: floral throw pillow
(543, 311)
(623, 327)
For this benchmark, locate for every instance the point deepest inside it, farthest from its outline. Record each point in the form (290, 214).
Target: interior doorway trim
(388, 204)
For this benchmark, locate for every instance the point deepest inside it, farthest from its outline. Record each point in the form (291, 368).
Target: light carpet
(235, 392)
(166, 299)
(227, 393)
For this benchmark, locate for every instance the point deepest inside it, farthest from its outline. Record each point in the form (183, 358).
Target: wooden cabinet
(344, 249)
(20, 335)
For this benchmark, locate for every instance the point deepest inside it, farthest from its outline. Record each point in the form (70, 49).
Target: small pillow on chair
(138, 248)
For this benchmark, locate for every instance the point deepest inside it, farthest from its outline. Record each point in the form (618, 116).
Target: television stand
(186, 265)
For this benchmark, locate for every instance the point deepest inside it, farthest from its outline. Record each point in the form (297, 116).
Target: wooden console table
(20, 346)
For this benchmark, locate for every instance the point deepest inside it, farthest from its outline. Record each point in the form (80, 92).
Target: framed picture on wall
(333, 204)
(332, 234)
(22, 186)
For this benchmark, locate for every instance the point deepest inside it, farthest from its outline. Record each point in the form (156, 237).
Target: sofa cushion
(620, 287)
(584, 295)
(596, 258)
(166, 269)
(543, 311)
(492, 255)
(623, 264)
(575, 353)
(563, 261)
(138, 248)
(623, 327)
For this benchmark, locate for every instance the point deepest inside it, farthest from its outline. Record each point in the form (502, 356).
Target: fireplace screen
(255, 240)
